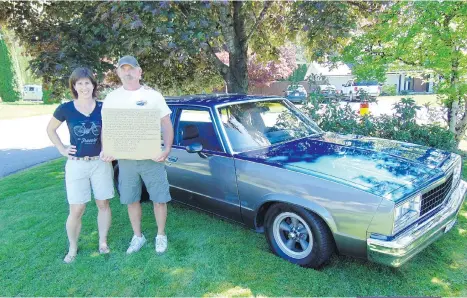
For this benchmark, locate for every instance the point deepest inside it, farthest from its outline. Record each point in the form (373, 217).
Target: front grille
(436, 196)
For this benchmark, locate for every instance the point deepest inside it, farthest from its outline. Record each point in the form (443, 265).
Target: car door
(206, 181)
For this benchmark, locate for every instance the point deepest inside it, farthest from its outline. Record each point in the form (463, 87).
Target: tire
(144, 192)
(298, 235)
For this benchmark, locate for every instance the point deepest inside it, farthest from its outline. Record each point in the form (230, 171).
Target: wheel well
(261, 214)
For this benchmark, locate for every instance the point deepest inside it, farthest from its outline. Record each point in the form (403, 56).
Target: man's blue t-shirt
(85, 131)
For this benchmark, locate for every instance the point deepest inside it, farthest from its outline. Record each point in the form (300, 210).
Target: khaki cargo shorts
(81, 175)
(134, 172)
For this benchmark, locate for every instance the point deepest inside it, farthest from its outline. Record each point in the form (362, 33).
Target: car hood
(378, 166)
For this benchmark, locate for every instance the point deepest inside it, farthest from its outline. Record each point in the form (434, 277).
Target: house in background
(341, 73)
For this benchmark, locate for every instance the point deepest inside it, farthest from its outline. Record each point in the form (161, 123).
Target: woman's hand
(68, 151)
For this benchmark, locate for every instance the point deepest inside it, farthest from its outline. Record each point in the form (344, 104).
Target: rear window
(366, 83)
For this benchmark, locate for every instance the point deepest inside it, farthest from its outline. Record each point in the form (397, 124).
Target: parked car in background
(326, 91)
(32, 92)
(296, 94)
(262, 163)
(353, 90)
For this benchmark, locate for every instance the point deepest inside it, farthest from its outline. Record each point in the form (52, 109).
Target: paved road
(24, 143)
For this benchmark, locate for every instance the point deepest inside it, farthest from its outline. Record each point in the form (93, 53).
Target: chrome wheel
(293, 235)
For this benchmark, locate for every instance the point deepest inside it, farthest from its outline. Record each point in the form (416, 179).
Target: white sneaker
(136, 244)
(161, 244)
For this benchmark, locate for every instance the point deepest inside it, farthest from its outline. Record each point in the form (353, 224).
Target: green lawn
(24, 109)
(207, 256)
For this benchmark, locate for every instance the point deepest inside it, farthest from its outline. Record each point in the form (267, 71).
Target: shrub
(389, 90)
(7, 76)
(404, 92)
(400, 126)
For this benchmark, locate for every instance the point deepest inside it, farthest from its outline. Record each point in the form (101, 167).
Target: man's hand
(162, 157)
(106, 158)
(68, 151)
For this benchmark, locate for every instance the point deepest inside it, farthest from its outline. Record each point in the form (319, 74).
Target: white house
(340, 73)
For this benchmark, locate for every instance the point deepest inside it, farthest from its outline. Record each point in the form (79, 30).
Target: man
(151, 172)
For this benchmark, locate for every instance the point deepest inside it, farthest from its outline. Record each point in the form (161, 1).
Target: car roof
(210, 100)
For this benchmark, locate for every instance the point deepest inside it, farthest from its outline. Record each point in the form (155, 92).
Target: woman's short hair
(82, 73)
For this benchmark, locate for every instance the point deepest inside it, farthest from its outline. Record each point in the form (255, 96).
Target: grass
(13, 110)
(206, 257)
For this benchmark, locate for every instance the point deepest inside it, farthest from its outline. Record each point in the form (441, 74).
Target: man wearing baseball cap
(152, 172)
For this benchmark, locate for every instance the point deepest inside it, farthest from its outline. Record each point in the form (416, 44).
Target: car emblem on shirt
(141, 102)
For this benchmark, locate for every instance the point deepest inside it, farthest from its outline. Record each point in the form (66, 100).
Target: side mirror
(196, 148)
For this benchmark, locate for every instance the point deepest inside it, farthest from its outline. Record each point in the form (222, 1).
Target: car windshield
(254, 125)
(366, 83)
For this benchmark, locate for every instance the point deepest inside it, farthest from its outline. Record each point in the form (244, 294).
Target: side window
(195, 126)
(31, 88)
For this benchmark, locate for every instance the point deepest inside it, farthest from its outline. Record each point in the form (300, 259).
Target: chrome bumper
(397, 251)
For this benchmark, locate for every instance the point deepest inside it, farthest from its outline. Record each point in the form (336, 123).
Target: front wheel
(297, 235)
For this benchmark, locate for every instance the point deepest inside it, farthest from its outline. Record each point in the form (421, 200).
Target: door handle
(172, 159)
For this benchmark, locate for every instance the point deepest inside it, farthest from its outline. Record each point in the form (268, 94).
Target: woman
(83, 168)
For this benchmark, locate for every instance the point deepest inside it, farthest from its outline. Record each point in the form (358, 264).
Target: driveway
(24, 143)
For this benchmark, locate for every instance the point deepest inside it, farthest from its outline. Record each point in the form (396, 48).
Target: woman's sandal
(69, 258)
(104, 250)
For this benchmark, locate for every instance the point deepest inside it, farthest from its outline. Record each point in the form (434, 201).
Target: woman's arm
(52, 127)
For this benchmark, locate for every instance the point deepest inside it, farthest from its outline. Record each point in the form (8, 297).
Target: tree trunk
(232, 20)
(456, 125)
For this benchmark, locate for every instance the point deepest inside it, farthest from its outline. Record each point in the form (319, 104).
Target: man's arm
(168, 136)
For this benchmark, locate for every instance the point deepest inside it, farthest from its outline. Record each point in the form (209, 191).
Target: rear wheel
(298, 235)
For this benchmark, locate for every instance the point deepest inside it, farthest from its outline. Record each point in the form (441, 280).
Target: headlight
(457, 172)
(407, 212)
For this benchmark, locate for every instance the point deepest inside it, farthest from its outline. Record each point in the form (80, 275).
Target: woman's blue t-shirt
(85, 131)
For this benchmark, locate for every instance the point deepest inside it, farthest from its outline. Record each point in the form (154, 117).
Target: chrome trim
(224, 133)
(397, 251)
(443, 179)
(217, 130)
(248, 100)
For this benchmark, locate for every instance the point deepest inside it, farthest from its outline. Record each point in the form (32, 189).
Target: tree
(423, 35)
(7, 74)
(261, 73)
(176, 42)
